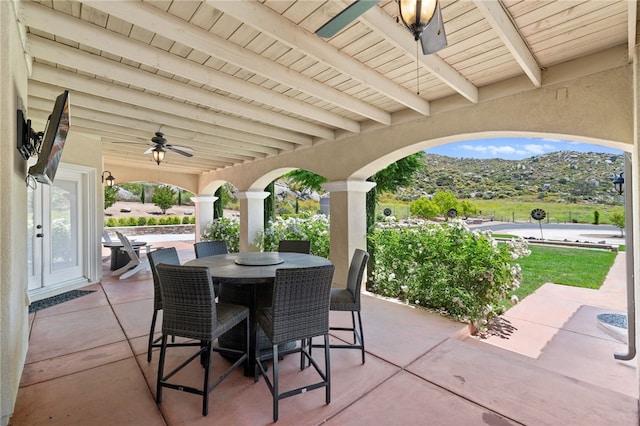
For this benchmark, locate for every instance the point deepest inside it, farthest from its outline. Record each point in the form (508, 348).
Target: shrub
(315, 229)
(111, 222)
(123, 221)
(174, 220)
(152, 221)
(192, 220)
(162, 221)
(132, 221)
(186, 220)
(224, 229)
(142, 221)
(447, 267)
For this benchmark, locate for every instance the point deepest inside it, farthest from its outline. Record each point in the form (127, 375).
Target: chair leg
(353, 327)
(327, 368)
(163, 350)
(361, 335)
(125, 268)
(205, 387)
(139, 267)
(153, 326)
(276, 395)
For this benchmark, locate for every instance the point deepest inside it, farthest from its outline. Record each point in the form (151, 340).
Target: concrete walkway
(556, 328)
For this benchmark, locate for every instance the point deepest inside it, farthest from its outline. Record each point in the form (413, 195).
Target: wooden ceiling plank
(113, 98)
(268, 21)
(216, 46)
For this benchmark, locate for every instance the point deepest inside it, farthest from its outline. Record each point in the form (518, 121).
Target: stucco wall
(80, 150)
(555, 111)
(13, 218)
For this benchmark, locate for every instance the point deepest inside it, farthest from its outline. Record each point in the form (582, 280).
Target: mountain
(563, 176)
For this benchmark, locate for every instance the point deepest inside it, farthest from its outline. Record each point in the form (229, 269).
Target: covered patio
(255, 93)
(87, 365)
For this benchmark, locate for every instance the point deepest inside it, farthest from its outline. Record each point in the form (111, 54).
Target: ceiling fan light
(416, 14)
(158, 155)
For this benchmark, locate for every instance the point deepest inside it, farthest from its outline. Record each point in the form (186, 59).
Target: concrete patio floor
(87, 365)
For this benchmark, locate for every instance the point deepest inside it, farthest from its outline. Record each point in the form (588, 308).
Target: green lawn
(561, 265)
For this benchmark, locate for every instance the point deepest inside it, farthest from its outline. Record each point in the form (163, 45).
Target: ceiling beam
(155, 20)
(111, 132)
(118, 113)
(494, 12)
(380, 22)
(108, 69)
(217, 124)
(63, 25)
(632, 23)
(267, 21)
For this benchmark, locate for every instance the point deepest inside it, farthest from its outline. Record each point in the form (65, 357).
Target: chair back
(168, 256)
(210, 248)
(356, 273)
(294, 246)
(106, 237)
(126, 244)
(301, 303)
(188, 299)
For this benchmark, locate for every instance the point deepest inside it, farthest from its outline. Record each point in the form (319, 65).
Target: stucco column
(635, 198)
(348, 222)
(204, 212)
(251, 218)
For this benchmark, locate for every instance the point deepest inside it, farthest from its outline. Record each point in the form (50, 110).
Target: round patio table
(247, 279)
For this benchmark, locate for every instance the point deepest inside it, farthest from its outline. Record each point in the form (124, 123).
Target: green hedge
(152, 221)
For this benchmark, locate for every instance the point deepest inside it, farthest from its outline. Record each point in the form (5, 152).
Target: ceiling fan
(160, 146)
(422, 18)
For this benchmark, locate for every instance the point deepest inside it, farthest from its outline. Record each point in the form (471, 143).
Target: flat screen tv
(55, 135)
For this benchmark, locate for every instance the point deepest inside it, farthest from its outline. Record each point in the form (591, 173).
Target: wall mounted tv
(52, 142)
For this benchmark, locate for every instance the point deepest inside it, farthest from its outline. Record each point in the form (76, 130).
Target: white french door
(57, 234)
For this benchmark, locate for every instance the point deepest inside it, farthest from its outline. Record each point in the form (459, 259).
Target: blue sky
(513, 148)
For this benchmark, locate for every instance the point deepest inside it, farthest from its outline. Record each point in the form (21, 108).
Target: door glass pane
(64, 225)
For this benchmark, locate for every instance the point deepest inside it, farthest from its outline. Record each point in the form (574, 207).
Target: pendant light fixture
(158, 154)
(417, 14)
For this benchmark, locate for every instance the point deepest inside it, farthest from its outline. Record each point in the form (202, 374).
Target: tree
(619, 221)
(269, 203)
(400, 173)
(110, 193)
(218, 206)
(424, 207)
(445, 200)
(467, 208)
(163, 198)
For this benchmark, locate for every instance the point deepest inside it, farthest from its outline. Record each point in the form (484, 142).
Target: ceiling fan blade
(182, 150)
(344, 18)
(433, 37)
(148, 151)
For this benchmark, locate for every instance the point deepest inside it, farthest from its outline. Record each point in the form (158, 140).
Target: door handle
(39, 235)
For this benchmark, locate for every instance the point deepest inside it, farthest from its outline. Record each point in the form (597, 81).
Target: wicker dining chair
(294, 246)
(210, 248)
(348, 299)
(190, 311)
(168, 256)
(299, 312)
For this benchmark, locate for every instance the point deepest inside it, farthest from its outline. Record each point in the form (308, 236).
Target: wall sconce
(158, 155)
(110, 179)
(618, 183)
(416, 14)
